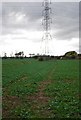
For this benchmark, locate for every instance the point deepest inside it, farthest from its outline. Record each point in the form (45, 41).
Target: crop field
(40, 89)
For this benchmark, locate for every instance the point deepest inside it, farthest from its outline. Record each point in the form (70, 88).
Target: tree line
(67, 55)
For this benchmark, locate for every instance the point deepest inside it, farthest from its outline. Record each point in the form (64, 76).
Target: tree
(19, 54)
(31, 54)
(71, 55)
(5, 55)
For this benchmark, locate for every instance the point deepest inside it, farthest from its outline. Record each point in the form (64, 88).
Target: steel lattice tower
(47, 20)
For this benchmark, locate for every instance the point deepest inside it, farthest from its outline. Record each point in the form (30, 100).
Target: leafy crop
(21, 85)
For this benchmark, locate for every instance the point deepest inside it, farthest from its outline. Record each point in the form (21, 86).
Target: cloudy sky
(22, 28)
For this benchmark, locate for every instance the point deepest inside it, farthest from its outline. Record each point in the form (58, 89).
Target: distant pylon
(47, 20)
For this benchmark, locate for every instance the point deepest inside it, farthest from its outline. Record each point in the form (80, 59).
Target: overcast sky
(22, 28)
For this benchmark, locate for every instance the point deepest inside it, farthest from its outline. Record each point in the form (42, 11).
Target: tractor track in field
(9, 101)
(39, 100)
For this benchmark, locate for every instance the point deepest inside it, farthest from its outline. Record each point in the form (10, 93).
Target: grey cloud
(65, 17)
(39, 1)
(31, 11)
(66, 20)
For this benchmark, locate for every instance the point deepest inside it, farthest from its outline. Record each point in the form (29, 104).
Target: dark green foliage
(71, 54)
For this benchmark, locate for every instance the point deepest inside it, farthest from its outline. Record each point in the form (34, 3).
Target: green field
(40, 89)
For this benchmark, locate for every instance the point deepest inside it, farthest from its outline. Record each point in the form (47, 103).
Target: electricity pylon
(47, 20)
